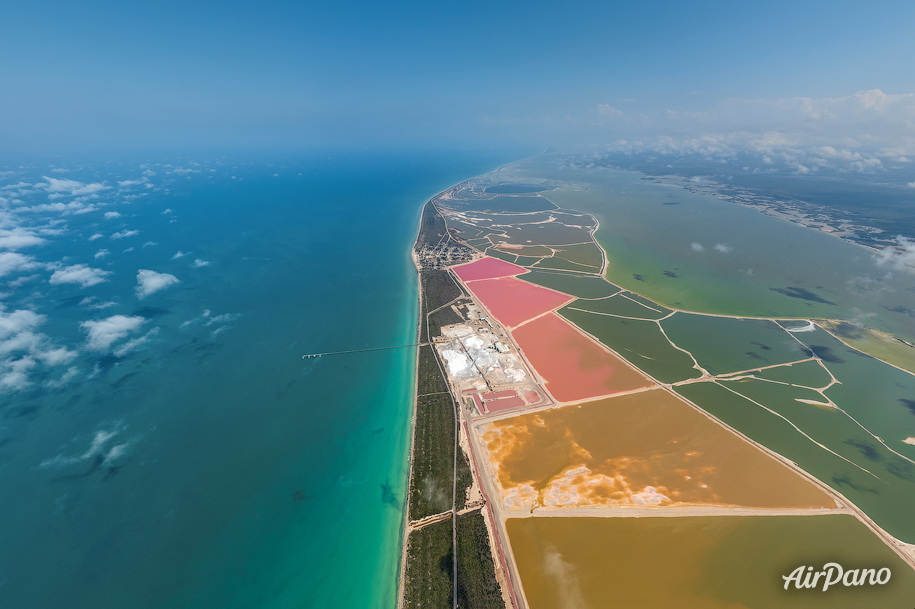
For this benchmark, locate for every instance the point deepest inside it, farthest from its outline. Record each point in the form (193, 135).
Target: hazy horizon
(814, 85)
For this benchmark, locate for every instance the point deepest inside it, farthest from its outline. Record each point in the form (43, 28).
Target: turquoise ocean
(191, 458)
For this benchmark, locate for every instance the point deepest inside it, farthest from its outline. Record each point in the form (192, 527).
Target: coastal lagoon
(713, 256)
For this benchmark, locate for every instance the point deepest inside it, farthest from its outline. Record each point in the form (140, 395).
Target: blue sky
(114, 75)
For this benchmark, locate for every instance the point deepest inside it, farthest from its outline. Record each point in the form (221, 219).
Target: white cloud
(55, 185)
(63, 380)
(89, 301)
(899, 257)
(21, 281)
(89, 189)
(14, 374)
(12, 262)
(102, 333)
(150, 244)
(222, 319)
(112, 214)
(199, 263)
(723, 248)
(134, 344)
(862, 132)
(75, 207)
(150, 282)
(209, 319)
(18, 238)
(55, 357)
(168, 211)
(178, 254)
(82, 274)
(127, 183)
(205, 315)
(96, 236)
(101, 254)
(19, 321)
(124, 233)
(911, 184)
(103, 305)
(608, 110)
(181, 170)
(128, 250)
(72, 186)
(96, 448)
(697, 247)
(17, 335)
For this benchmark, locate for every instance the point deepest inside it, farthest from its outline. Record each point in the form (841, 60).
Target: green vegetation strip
(464, 479)
(429, 376)
(442, 317)
(431, 485)
(438, 289)
(428, 581)
(432, 227)
(477, 585)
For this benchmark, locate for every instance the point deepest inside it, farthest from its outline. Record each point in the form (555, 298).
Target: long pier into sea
(312, 355)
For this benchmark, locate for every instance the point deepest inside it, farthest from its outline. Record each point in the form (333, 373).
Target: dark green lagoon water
(714, 256)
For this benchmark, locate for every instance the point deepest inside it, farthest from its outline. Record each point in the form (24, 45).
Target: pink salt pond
(573, 366)
(513, 301)
(487, 268)
(504, 404)
(495, 395)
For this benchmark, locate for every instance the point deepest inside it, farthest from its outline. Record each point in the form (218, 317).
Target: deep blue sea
(162, 443)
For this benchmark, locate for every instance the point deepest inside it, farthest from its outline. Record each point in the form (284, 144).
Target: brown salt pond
(707, 562)
(573, 366)
(513, 301)
(643, 449)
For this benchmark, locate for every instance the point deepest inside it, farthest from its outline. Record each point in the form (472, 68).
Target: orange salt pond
(487, 268)
(706, 562)
(573, 366)
(513, 301)
(644, 449)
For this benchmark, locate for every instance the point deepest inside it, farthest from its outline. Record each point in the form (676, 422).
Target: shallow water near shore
(212, 466)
